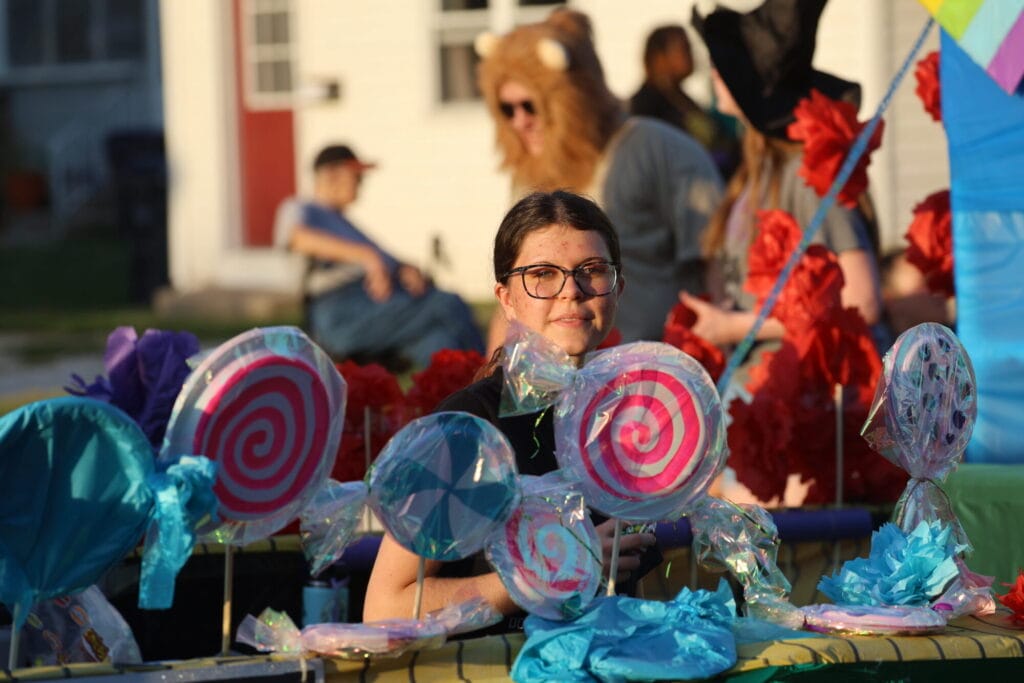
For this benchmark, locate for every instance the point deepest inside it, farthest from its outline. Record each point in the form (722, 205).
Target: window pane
(458, 73)
(282, 76)
(264, 77)
(73, 35)
(125, 30)
(271, 29)
(279, 24)
(264, 30)
(455, 5)
(24, 32)
(274, 77)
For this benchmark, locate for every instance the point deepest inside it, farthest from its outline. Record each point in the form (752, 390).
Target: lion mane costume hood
(555, 59)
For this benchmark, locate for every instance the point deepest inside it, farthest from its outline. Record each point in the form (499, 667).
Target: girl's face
(574, 320)
(519, 106)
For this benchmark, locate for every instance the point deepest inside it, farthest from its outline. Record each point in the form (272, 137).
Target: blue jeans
(346, 321)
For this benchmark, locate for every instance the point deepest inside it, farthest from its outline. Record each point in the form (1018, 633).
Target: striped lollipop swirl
(549, 564)
(642, 435)
(266, 425)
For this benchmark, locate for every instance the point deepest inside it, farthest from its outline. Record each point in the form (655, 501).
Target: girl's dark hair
(541, 209)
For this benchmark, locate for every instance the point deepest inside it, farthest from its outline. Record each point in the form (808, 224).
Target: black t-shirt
(531, 436)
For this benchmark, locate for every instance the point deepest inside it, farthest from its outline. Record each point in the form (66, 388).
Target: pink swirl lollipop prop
(548, 558)
(641, 430)
(266, 407)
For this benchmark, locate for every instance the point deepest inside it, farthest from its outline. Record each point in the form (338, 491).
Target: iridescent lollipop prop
(922, 418)
(548, 555)
(265, 407)
(442, 485)
(78, 489)
(641, 430)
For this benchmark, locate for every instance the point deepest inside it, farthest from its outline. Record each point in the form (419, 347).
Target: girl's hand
(714, 324)
(631, 547)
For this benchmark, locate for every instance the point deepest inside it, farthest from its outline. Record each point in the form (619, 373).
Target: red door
(266, 144)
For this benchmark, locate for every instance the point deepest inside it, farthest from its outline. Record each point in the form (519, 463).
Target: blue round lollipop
(78, 490)
(443, 484)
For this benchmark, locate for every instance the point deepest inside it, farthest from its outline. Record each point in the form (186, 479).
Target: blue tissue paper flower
(620, 638)
(902, 568)
(145, 376)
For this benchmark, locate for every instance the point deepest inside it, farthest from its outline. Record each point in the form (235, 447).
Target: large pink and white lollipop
(548, 557)
(641, 430)
(266, 407)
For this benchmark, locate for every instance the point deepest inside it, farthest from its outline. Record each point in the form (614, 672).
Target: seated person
(546, 238)
(361, 300)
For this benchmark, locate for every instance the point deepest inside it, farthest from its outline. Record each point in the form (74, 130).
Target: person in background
(908, 301)
(761, 69)
(362, 301)
(668, 62)
(557, 271)
(558, 126)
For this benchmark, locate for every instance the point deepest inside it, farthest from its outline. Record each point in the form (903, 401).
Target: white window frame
(50, 70)
(253, 55)
(461, 27)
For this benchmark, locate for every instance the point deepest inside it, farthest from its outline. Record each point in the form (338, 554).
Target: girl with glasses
(556, 271)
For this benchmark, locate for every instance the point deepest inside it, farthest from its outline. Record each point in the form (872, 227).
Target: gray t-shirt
(659, 189)
(842, 230)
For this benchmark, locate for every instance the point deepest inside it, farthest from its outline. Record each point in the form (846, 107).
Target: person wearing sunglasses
(557, 272)
(558, 126)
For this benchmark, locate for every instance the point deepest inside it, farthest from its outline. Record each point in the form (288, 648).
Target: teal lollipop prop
(78, 489)
(442, 485)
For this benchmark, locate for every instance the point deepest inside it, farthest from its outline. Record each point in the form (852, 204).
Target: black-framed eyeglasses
(508, 109)
(546, 281)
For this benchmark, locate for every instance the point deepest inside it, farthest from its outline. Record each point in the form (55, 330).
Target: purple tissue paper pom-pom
(144, 376)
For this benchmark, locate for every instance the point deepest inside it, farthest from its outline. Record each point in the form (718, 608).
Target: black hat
(764, 57)
(339, 154)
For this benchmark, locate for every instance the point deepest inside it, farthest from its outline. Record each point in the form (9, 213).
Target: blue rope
(856, 152)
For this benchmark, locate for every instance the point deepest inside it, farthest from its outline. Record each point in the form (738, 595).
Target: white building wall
(202, 203)
(438, 169)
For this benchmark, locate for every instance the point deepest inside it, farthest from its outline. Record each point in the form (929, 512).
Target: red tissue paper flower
(828, 129)
(761, 431)
(812, 292)
(369, 387)
(1014, 598)
(614, 338)
(928, 89)
(449, 371)
(813, 288)
(678, 333)
(931, 242)
(841, 350)
(778, 234)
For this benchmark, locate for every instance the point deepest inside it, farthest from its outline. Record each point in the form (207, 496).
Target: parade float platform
(970, 647)
(814, 541)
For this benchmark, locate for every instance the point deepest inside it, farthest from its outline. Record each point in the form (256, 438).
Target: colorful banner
(990, 31)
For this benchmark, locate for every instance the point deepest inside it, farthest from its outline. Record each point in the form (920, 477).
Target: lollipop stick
(614, 569)
(837, 397)
(366, 456)
(12, 651)
(418, 600)
(229, 570)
